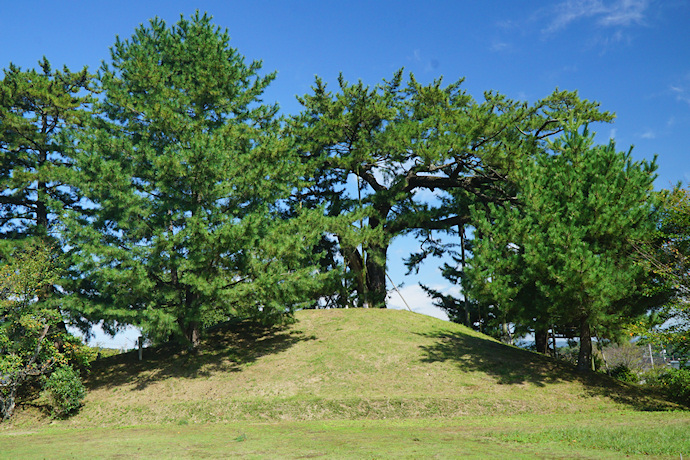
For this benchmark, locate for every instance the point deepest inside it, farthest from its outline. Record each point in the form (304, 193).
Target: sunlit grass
(352, 384)
(629, 434)
(343, 364)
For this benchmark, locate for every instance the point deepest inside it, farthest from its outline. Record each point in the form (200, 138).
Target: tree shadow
(225, 348)
(510, 365)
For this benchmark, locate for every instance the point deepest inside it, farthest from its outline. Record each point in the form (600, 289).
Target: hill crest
(353, 363)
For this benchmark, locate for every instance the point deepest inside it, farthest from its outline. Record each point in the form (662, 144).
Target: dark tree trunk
(61, 331)
(541, 340)
(189, 325)
(41, 209)
(193, 334)
(466, 305)
(15, 380)
(376, 276)
(584, 357)
(42, 188)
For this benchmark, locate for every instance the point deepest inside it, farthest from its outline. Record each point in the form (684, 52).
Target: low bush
(624, 374)
(674, 382)
(65, 391)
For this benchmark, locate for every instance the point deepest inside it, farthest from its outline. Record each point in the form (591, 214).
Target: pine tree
(375, 155)
(186, 168)
(568, 244)
(37, 108)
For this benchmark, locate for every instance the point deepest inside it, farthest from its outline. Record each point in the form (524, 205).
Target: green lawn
(351, 384)
(625, 434)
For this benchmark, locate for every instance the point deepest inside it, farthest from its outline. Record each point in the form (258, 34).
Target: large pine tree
(401, 158)
(564, 255)
(186, 169)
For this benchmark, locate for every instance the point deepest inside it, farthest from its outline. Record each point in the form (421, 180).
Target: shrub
(65, 391)
(624, 374)
(674, 382)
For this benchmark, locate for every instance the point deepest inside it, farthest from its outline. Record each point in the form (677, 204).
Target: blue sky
(633, 56)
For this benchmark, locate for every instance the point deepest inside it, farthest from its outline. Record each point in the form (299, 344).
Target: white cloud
(566, 70)
(615, 13)
(570, 11)
(648, 134)
(430, 64)
(416, 55)
(418, 300)
(681, 93)
(498, 46)
(125, 339)
(624, 13)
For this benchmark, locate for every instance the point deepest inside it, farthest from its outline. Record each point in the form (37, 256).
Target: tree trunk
(541, 337)
(189, 325)
(584, 357)
(60, 329)
(193, 334)
(376, 275)
(506, 336)
(353, 259)
(191, 331)
(7, 403)
(466, 305)
(42, 187)
(41, 209)
(15, 380)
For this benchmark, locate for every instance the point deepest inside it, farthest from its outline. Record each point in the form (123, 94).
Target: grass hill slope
(343, 364)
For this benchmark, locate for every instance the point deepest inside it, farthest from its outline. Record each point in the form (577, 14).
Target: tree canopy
(666, 253)
(181, 199)
(563, 255)
(410, 158)
(186, 169)
(36, 108)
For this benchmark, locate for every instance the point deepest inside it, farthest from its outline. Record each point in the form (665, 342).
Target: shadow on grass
(228, 348)
(512, 366)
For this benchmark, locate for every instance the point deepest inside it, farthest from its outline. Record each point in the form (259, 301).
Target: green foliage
(624, 374)
(29, 339)
(187, 170)
(36, 110)
(405, 142)
(65, 391)
(666, 253)
(202, 205)
(563, 254)
(674, 382)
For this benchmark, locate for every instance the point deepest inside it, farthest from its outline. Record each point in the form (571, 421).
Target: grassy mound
(344, 364)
